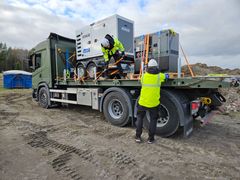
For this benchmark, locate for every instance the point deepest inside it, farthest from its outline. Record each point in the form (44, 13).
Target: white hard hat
(105, 42)
(152, 63)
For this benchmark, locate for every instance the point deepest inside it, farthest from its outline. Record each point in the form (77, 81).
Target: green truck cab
(43, 59)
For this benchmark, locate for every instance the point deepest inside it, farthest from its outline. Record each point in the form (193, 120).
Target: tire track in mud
(40, 139)
(165, 154)
(7, 118)
(59, 164)
(177, 154)
(17, 100)
(119, 160)
(33, 127)
(202, 170)
(14, 97)
(123, 161)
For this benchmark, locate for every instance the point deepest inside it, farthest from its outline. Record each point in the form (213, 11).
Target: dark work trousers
(141, 112)
(116, 57)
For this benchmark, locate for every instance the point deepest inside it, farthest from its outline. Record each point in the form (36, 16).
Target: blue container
(17, 79)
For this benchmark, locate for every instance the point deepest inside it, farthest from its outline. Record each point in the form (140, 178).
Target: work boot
(150, 140)
(138, 139)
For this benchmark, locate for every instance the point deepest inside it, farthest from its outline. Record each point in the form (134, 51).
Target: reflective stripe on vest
(152, 85)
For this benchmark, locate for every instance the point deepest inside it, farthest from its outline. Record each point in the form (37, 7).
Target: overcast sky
(209, 29)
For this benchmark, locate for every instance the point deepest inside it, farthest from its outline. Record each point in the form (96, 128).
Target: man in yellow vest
(149, 100)
(112, 47)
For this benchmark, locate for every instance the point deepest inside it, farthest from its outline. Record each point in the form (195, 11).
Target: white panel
(84, 97)
(95, 99)
(94, 33)
(99, 30)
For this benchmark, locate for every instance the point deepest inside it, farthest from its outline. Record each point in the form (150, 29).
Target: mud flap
(188, 127)
(187, 121)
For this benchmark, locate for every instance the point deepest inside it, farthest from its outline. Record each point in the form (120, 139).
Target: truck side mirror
(31, 63)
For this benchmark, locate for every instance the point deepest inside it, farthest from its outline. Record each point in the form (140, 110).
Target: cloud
(209, 30)
(24, 25)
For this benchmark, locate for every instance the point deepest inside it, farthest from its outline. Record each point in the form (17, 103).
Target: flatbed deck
(186, 82)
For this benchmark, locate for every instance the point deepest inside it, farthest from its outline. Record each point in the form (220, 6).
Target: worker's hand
(103, 63)
(123, 53)
(166, 76)
(105, 66)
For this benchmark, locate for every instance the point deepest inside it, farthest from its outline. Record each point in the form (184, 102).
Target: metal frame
(188, 82)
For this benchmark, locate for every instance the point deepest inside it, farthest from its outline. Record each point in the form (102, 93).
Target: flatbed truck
(183, 99)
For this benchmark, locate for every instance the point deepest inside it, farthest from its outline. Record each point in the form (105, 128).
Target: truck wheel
(115, 109)
(43, 97)
(90, 70)
(170, 113)
(81, 71)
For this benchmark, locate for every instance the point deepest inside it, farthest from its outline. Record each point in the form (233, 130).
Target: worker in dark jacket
(112, 47)
(149, 100)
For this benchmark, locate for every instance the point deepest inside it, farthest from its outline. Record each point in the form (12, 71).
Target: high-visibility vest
(150, 92)
(117, 46)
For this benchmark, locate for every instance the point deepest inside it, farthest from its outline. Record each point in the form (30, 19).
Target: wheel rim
(80, 71)
(90, 70)
(43, 98)
(163, 116)
(115, 109)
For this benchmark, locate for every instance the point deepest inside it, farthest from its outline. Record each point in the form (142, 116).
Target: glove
(166, 76)
(103, 63)
(123, 53)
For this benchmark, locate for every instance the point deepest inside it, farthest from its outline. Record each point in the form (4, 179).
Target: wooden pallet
(133, 76)
(175, 75)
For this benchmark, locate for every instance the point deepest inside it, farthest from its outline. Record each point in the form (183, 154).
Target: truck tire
(170, 113)
(81, 71)
(43, 97)
(115, 109)
(90, 70)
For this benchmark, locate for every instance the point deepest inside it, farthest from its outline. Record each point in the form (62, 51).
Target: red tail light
(195, 105)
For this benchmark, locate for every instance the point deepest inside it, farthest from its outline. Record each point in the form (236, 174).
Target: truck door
(37, 72)
(40, 70)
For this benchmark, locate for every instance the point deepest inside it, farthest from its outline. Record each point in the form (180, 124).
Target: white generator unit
(88, 39)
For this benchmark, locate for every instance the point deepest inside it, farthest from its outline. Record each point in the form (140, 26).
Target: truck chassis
(117, 99)
(182, 99)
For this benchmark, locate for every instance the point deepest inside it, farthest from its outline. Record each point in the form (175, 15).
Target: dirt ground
(77, 143)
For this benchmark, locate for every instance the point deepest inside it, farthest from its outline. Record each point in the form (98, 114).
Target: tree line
(13, 58)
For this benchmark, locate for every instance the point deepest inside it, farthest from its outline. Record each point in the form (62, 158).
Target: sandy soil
(77, 143)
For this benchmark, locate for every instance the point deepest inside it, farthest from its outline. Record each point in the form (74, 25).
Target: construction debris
(232, 95)
(232, 103)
